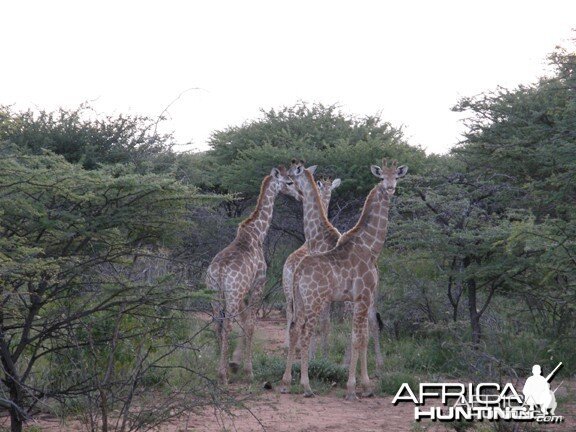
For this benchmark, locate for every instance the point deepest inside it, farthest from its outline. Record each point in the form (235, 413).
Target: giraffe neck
(372, 227)
(325, 200)
(257, 224)
(320, 234)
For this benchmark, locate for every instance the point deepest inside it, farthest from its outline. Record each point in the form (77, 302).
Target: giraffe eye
(289, 183)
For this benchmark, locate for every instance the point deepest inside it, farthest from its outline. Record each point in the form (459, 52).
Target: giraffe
(322, 238)
(238, 274)
(345, 273)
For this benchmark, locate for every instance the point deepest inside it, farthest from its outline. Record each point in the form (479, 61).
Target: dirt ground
(273, 412)
(293, 413)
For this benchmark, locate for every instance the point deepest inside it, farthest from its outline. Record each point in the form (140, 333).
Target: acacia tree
(527, 137)
(314, 126)
(67, 238)
(465, 223)
(323, 134)
(82, 136)
(524, 139)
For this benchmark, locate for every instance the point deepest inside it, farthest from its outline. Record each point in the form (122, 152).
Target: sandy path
(293, 413)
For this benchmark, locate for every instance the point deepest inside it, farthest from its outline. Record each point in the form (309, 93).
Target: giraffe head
(389, 175)
(296, 172)
(325, 187)
(281, 182)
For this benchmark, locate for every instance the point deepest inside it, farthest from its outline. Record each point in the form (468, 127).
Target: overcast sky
(408, 60)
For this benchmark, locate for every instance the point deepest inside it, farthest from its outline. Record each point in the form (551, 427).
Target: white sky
(409, 60)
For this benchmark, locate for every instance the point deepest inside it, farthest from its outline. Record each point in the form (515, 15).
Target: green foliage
(82, 136)
(526, 136)
(85, 297)
(55, 212)
(390, 382)
(350, 162)
(300, 126)
(327, 371)
(523, 140)
(340, 144)
(270, 368)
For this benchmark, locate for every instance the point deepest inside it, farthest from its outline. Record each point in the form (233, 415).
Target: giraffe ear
(312, 169)
(335, 184)
(296, 170)
(401, 171)
(275, 173)
(320, 184)
(376, 170)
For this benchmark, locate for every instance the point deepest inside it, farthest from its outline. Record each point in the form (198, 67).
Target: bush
(390, 382)
(268, 368)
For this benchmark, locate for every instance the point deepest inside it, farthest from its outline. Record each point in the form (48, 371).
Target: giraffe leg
(287, 287)
(375, 333)
(359, 337)
(288, 321)
(364, 378)
(324, 329)
(217, 322)
(238, 354)
(348, 311)
(253, 305)
(295, 328)
(249, 328)
(312, 347)
(309, 325)
(351, 384)
(225, 331)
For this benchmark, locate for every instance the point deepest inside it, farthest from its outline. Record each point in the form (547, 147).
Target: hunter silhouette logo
(537, 393)
(485, 401)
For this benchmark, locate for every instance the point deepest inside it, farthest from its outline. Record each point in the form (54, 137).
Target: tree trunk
(455, 282)
(474, 314)
(11, 380)
(473, 306)
(16, 416)
(16, 420)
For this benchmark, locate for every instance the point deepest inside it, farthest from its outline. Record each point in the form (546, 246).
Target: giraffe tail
(297, 301)
(380, 322)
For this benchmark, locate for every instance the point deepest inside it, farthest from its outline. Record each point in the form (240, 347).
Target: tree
(526, 136)
(463, 223)
(524, 140)
(82, 136)
(70, 239)
(300, 126)
(323, 135)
